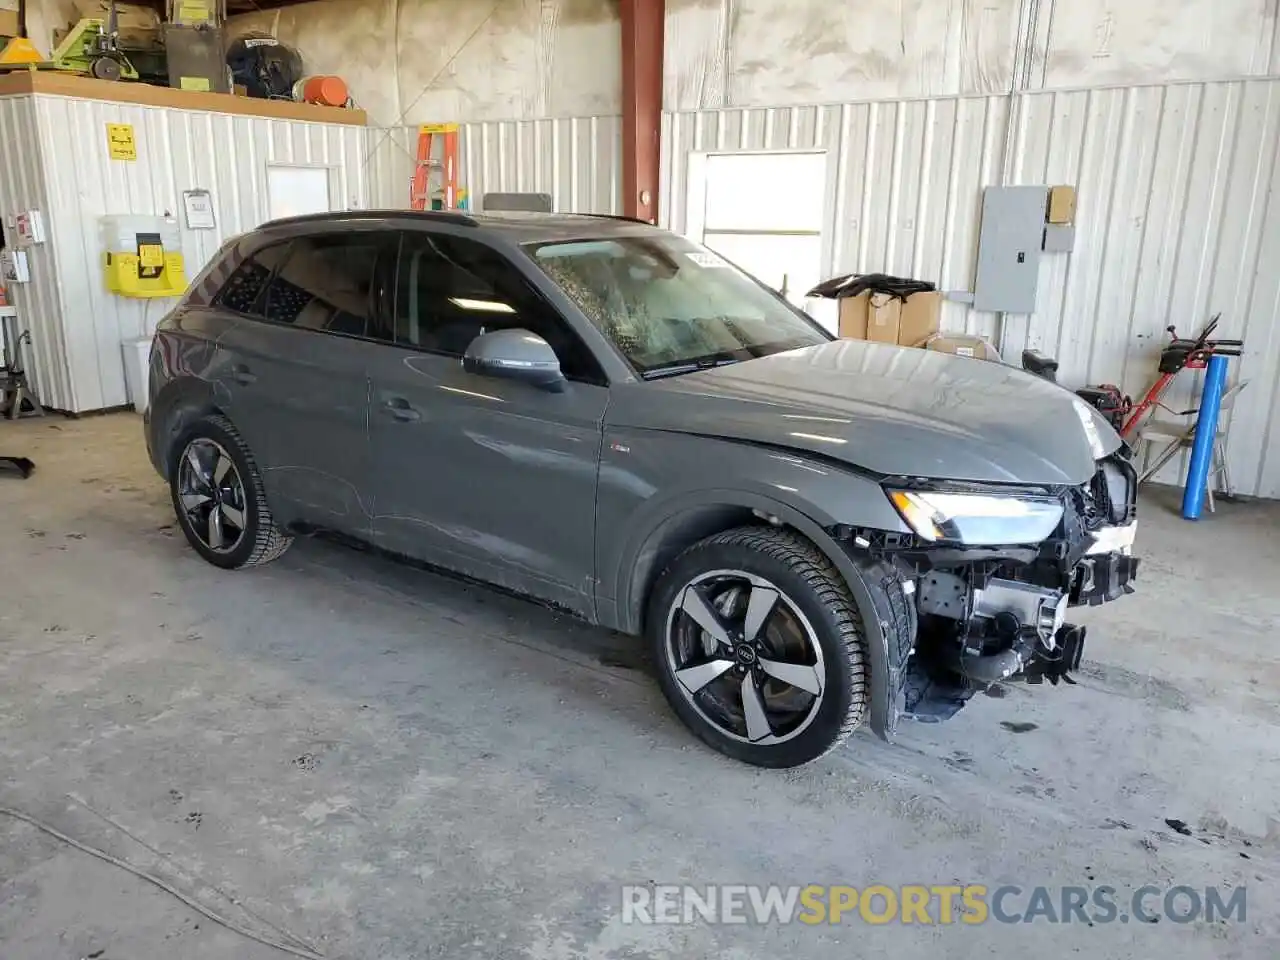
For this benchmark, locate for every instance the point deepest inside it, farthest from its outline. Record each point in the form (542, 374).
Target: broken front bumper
(984, 614)
(1009, 629)
(1107, 570)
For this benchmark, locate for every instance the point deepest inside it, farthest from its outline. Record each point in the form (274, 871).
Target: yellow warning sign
(194, 12)
(197, 84)
(438, 128)
(120, 142)
(150, 255)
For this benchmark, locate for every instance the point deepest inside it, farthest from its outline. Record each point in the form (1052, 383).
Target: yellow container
(127, 274)
(144, 256)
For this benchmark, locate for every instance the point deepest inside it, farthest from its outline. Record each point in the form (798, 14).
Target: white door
(765, 212)
(295, 191)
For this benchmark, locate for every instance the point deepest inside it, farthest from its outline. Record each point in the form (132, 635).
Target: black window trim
(601, 380)
(383, 301)
(376, 304)
(219, 304)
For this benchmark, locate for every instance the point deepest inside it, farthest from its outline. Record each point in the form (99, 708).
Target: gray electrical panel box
(1009, 245)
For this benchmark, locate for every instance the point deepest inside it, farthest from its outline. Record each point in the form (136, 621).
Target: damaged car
(811, 534)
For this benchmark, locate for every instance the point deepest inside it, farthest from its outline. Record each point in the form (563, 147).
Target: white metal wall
(177, 150)
(904, 179)
(578, 160)
(23, 187)
(1176, 219)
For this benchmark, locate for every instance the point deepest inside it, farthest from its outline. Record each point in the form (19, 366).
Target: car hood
(890, 410)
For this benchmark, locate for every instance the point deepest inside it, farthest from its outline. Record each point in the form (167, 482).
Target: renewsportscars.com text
(928, 904)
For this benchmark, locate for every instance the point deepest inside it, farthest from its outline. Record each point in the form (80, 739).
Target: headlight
(978, 519)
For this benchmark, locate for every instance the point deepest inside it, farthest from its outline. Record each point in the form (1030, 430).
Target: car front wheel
(219, 499)
(758, 646)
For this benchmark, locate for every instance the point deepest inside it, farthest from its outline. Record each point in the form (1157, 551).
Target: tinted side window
(325, 283)
(449, 290)
(243, 289)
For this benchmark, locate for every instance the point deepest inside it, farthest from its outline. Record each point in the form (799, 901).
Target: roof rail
(443, 216)
(616, 216)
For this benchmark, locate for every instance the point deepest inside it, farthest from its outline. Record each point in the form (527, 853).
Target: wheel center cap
(745, 653)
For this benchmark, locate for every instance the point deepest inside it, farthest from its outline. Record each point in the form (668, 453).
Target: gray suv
(595, 413)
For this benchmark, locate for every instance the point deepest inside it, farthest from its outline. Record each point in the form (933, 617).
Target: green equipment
(92, 47)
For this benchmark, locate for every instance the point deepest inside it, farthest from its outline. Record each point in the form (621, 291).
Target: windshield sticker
(705, 258)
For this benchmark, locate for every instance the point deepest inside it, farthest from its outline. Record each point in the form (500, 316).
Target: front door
(492, 478)
(295, 370)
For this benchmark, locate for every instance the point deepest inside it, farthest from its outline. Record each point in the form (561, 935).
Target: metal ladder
(423, 195)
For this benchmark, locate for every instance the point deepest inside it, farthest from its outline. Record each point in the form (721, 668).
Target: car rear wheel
(218, 497)
(758, 646)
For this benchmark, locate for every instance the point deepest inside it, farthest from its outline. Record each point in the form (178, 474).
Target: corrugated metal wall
(1178, 219)
(904, 179)
(23, 187)
(389, 157)
(177, 150)
(577, 160)
(1175, 219)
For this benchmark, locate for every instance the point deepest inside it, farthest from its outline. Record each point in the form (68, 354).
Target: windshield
(672, 306)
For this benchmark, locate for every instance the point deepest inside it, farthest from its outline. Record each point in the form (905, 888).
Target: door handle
(399, 408)
(242, 374)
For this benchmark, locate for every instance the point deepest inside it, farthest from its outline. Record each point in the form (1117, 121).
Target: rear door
(492, 478)
(294, 367)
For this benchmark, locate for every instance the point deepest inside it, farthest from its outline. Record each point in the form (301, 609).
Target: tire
(105, 68)
(810, 596)
(253, 537)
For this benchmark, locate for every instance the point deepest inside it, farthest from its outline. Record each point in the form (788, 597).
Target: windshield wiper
(678, 367)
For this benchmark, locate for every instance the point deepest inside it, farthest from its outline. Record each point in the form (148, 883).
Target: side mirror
(515, 355)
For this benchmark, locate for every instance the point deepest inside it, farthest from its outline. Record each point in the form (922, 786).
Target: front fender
(675, 491)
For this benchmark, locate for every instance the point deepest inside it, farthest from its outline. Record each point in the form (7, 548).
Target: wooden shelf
(53, 83)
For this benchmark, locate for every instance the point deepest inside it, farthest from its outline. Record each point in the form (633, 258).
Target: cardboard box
(853, 317)
(1062, 204)
(920, 318)
(962, 345)
(870, 316)
(885, 319)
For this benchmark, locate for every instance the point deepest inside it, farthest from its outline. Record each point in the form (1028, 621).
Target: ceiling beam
(642, 34)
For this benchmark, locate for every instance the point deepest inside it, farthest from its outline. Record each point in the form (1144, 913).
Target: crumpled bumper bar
(1103, 578)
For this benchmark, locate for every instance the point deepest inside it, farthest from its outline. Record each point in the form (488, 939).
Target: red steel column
(642, 28)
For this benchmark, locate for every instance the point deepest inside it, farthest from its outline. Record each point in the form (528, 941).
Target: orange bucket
(325, 91)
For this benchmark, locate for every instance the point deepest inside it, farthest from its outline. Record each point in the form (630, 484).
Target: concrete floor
(392, 765)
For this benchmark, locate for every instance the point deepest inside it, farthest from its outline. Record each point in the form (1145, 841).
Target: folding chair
(1176, 436)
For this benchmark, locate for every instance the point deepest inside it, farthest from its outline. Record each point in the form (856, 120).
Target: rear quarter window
(243, 289)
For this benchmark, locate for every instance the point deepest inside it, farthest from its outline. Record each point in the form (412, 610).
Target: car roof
(519, 226)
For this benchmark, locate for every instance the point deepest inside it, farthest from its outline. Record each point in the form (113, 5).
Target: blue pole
(1206, 433)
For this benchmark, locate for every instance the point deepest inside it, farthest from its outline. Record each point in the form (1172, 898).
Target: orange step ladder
(422, 196)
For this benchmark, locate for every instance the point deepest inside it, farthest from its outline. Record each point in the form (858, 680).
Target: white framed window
(764, 211)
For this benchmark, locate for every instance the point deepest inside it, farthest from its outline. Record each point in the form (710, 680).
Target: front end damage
(988, 614)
